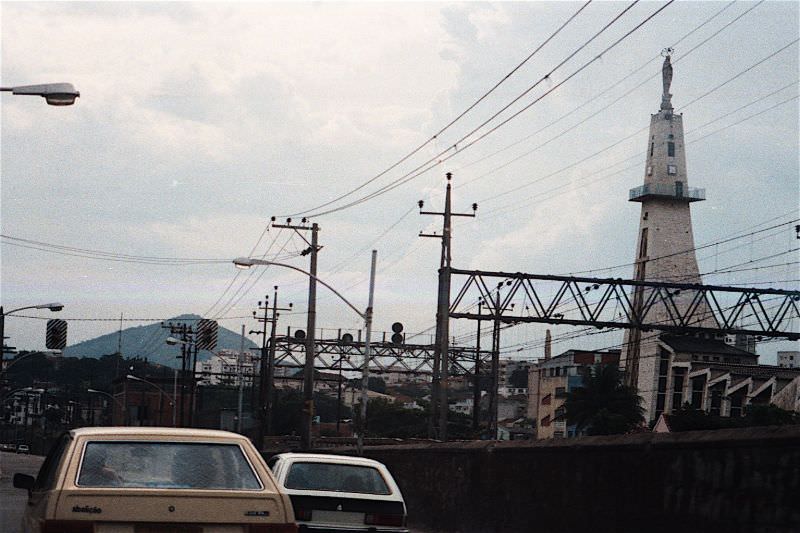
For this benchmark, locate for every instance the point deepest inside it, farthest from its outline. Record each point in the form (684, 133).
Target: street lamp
(161, 391)
(95, 391)
(51, 306)
(248, 262)
(58, 94)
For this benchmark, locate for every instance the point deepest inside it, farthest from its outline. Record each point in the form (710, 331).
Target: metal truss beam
(608, 303)
(385, 356)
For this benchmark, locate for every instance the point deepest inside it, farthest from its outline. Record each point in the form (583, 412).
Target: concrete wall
(744, 480)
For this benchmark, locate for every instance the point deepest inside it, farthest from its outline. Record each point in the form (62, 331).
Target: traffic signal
(207, 331)
(397, 336)
(56, 338)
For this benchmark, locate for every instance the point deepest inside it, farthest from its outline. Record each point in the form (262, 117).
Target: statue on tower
(666, 78)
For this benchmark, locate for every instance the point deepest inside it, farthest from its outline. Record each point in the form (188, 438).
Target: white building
(789, 359)
(665, 234)
(223, 369)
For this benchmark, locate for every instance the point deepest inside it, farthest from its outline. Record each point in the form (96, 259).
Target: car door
(44, 488)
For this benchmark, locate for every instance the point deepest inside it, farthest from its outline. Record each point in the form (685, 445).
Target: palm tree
(604, 405)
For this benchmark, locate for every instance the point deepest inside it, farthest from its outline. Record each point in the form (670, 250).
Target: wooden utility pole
(476, 378)
(440, 357)
(267, 367)
(493, 396)
(308, 370)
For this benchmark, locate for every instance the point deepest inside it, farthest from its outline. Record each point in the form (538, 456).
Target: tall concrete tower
(664, 249)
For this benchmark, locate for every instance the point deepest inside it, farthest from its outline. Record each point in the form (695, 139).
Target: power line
(523, 186)
(448, 125)
(509, 207)
(413, 174)
(239, 271)
(597, 96)
(105, 256)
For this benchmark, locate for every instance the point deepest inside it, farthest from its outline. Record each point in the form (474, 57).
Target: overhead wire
(438, 159)
(449, 124)
(597, 96)
(605, 149)
(519, 204)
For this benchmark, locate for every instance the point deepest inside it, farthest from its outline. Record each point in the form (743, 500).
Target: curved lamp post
(247, 262)
(58, 94)
(55, 306)
(161, 391)
(95, 391)
(119, 403)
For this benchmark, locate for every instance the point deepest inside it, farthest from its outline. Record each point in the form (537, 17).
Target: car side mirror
(24, 481)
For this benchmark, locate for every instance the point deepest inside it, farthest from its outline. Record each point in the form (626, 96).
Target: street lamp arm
(52, 307)
(58, 94)
(165, 393)
(247, 262)
(95, 391)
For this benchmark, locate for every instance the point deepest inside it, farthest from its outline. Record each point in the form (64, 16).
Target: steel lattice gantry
(385, 356)
(608, 303)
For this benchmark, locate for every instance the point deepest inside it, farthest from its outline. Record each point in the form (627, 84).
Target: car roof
(329, 458)
(126, 431)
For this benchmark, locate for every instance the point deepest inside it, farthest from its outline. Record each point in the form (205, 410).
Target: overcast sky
(197, 122)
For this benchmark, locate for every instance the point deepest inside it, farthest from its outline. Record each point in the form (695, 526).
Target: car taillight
(273, 528)
(302, 514)
(385, 520)
(67, 526)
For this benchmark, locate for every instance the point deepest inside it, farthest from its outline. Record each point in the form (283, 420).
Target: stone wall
(743, 480)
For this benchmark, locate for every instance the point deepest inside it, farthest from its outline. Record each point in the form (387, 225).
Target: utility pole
(267, 366)
(308, 370)
(495, 365)
(365, 368)
(476, 386)
(184, 333)
(239, 375)
(441, 351)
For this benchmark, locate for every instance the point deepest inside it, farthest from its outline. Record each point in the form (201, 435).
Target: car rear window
(171, 465)
(336, 477)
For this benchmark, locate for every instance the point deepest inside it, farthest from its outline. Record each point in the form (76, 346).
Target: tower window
(672, 169)
(671, 149)
(643, 243)
(649, 170)
(652, 145)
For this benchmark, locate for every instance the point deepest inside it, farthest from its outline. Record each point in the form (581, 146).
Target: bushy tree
(604, 405)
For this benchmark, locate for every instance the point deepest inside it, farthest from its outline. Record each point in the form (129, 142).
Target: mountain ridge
(150, 342)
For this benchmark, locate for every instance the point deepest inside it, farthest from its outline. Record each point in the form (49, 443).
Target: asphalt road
(12, 501)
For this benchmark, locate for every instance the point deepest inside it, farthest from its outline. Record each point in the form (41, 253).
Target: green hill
(150, 342)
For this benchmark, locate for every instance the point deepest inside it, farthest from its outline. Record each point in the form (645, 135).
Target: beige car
(154, 480)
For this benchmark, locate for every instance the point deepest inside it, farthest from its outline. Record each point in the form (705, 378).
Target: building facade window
(678, 378)
(716, 401)
(663, 372)
(672, 170)
(670, 149)
(698, 385)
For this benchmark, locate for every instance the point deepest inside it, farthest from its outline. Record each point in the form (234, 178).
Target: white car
(339, 493)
